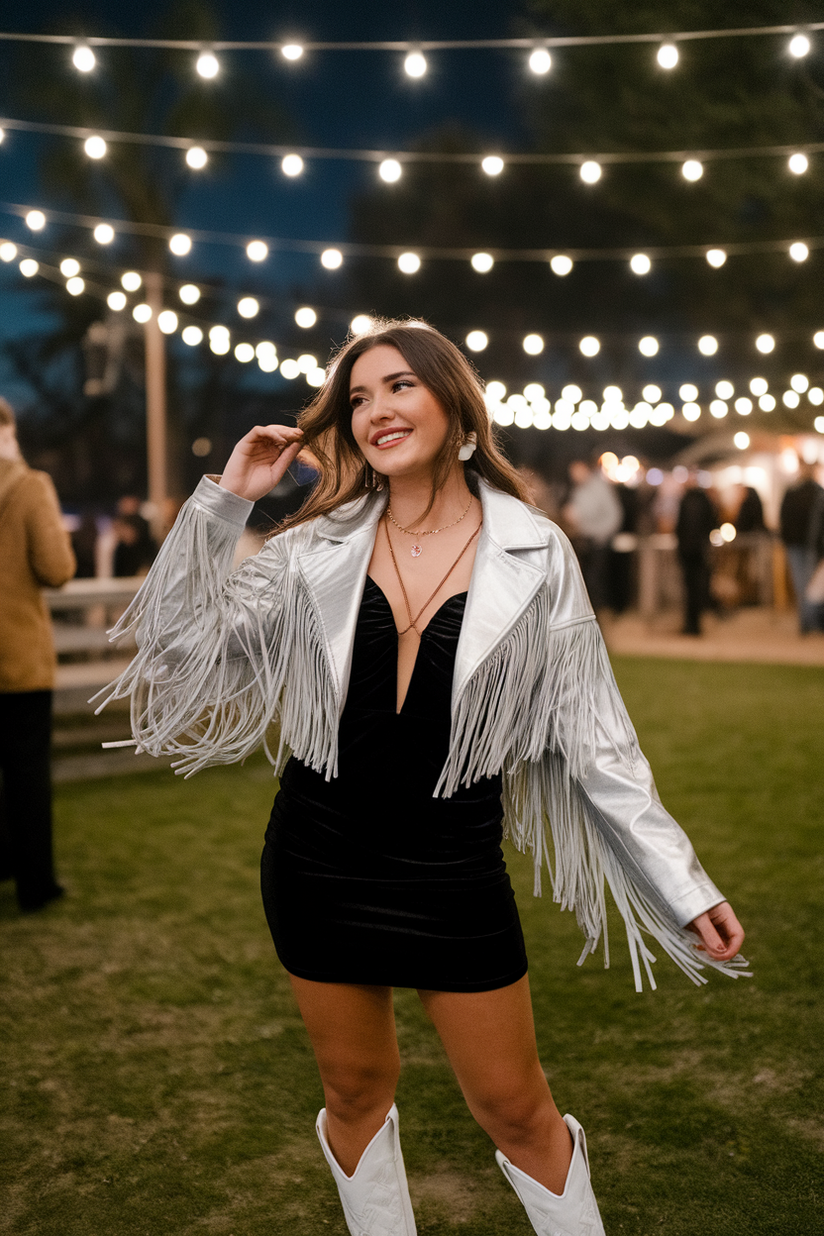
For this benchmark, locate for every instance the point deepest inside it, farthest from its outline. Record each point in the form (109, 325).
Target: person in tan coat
(35, 552)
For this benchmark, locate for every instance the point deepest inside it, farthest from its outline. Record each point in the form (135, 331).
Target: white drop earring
(467, 449)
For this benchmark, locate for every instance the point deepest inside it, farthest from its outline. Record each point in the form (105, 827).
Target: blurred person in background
(696, 520)
(35, 553)
(797, 523)
(593, 515)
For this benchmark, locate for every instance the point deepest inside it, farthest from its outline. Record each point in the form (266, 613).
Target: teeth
(390, 437)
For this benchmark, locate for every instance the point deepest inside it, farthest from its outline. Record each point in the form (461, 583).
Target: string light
(648, 346)
(799, 382)
(493, 165)
(75, 286)
(409, 263)
(415, 64)
(167, 321)
(816, 396)
(692, 169)
(248, 307)
(477, 340)
(589, 346)
(289, 369)
(69, 267)
(8, 251)
(688, 392)
(267, 358)
(724, 390)
(572, 393)
(196, 157)
(533, 345)
(331, 259)
(482, 262)
(219, 340)
(207, 65)
(708, 345)
(790, 399)
(718, 408)
(142, 313)
(189, 294)
(560, 264)
(116, 301)
(180, 244)
(291, 165)
(83, 58)
(741, 440)
(192, 336)
(131, 280)
(36, 220)
(307, 362)
(291, 51)
(767, 403)
(667, 55)
(590, 172)
(691, 411)
(640, 264)
(95, 147)
(798, 164)
(540, 61)
(306, 317)
(257, 251)
(716, 257)
(743, 405)
(759, 386)
(103, 233)
(799, 46)
(799, 251)
(244, 352)
(360, 324)
(818, 338)
(390, 170)
(765, 343)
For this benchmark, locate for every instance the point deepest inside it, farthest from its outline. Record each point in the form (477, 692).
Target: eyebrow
(390, 377)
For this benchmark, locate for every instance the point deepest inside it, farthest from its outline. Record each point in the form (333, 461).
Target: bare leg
(489, 1037)
(352, 1030)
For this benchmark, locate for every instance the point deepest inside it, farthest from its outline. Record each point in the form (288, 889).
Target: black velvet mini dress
(367, 878)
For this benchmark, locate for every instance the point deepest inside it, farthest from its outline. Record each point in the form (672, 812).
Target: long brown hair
(445, 371)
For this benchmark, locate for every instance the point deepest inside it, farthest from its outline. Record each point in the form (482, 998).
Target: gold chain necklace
(413, 621)
(417, 548)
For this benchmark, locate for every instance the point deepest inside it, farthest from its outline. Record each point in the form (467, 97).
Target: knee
(353, 1093)
(513, 1114)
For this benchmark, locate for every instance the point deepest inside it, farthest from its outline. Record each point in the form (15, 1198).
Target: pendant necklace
(417, 548)
(413, 621)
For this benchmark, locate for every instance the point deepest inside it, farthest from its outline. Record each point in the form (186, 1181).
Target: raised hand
(260, 459)
(720, 932)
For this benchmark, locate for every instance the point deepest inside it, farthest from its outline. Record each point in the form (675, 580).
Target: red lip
(381, 433)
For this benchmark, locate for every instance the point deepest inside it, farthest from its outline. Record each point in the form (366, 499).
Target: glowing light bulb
(652, 393)
(590, 172)
(306, 317)
(799, 46)
(95, 147)
(590, 346)
(248, 307)
(708, 345)
(476, 341)
(409, 263)
(533, 345)
(495, 390)
(83, 58)
(716, 257)
(180, 244)
(799, 382)
(798, 164)
(572, 393)
(192, 336)
(759, 386)
(818, 338)
(791, 399)
(743, 406)
(116, 301)
(767, 403)
(75, 286)
(540, 61)
(289, 368)
(291, 51)
(742, 440)
(765, 343)
(799, 251)
(244, 352)
(69, 267)
(691, 411)
(648, 346)
(482, 262)
(8, 251)
(291, 165)
(692, 170)
(640, 264)
(724, 390)
(718, 408)
(390, 170)
(331, 259)
(207, 65)
(142, 313)
(257, 251)
(688, 392)
(36, 220)
(196, 157)
(167, 321)
(493, 165)
(560, 264)
(415, 64)
(360, 324)
(189, 294)
(667, 55)
(131, 280)
(307, 362)
(103, 233)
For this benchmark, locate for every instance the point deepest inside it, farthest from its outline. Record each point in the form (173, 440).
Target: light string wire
(446, 253)
(278, 150)
(534, 41)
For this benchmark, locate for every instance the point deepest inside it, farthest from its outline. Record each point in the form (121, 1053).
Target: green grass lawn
(157, 1080)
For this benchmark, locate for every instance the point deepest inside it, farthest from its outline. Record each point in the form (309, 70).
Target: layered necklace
(417, 548)
(413, 622)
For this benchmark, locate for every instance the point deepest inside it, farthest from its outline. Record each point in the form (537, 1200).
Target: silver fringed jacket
(226, 656)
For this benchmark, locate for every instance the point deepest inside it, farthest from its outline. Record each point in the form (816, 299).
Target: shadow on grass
(158, 1080)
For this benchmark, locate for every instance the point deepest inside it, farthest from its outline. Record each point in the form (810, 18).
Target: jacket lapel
(508, 572)
(334, 571)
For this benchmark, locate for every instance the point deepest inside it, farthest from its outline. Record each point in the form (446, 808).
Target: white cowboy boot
(375, 1198)
(571, 1213)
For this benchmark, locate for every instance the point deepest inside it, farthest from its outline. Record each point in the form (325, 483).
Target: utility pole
(156, 404)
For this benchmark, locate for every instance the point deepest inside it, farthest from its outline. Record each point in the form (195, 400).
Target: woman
(423, 639)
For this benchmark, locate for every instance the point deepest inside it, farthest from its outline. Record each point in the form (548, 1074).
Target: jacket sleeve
(206, 681)
(595, 793)
(50, 551)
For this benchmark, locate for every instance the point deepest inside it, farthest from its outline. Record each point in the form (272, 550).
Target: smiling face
(398, 425)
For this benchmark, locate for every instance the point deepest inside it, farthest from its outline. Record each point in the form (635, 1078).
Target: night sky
(360, 99)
